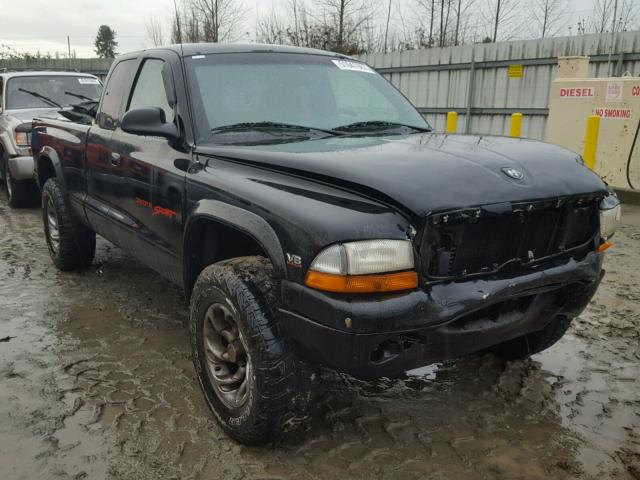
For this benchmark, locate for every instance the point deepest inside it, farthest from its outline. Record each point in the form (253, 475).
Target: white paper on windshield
(88, 81)
(350, 65)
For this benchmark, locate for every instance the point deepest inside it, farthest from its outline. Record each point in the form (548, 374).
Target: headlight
(23, 139)
(364, 267)
(610, 216)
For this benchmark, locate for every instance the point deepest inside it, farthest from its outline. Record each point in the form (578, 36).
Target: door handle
(115, 159)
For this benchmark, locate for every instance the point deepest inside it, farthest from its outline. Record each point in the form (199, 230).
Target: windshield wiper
(272, 126)
(377, 125)
(81, 97)
(41, 97)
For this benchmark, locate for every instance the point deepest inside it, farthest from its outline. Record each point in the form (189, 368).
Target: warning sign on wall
(581, 92)
(516, 71)
(619, 113)
(614, 92)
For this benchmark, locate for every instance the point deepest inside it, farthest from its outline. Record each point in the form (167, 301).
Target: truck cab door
(103, 172)
(151, 188)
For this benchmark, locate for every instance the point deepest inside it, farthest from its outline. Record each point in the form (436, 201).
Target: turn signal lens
(23, 139)
(390, 282)
(605, 246)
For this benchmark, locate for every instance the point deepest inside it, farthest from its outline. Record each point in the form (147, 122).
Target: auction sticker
(582, 92)
(350, 65)
(88, 81)
(615, 113)
(614, 92)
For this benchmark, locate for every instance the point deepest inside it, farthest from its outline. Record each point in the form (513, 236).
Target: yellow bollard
(516, 125)
(452, 122)
(591, 141)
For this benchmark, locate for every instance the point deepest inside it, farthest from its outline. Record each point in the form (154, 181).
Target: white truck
(24, 95)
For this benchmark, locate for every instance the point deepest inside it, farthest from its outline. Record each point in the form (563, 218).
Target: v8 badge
(294, 261)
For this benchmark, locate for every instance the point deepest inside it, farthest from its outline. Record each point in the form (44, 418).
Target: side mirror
(150, 121)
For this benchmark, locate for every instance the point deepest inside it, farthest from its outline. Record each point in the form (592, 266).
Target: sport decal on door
(156, 210)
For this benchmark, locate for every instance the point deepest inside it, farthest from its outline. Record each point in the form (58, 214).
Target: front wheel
(523, 347)
(72, 245)
(252, 379)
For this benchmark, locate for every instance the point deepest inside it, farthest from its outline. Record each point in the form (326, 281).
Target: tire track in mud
(98, 383)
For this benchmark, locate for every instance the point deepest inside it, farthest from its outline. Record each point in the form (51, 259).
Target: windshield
(50, 91)
(272, 91)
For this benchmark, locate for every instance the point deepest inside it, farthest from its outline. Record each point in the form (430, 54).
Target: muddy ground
(96, 382)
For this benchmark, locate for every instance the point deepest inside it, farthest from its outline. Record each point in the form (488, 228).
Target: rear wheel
(253, 381)
(532, 343)
(71, 245)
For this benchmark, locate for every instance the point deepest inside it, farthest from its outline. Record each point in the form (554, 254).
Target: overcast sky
(32, 25)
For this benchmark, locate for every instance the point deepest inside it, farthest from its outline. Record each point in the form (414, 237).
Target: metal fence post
(591, 141)
(516, 125)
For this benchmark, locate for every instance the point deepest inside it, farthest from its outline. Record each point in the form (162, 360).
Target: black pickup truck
(313, 218)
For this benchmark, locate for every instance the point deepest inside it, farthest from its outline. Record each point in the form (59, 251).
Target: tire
(273, 392)
(72, 245)
(523, 347)
(20, 193)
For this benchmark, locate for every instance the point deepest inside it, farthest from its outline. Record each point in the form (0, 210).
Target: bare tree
(627, 16)
(345, 18)
(426, 8)
(447, 19)
(153, 27)
(272, 29)
(207, 20)
(614, 16)
(220, 18)
(602, 15)
(501, 16)
(547, 17)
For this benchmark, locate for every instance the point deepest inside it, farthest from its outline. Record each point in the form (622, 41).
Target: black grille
(481, 240)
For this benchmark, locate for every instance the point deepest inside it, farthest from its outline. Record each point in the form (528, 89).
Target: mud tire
(77, 243)
(523, 347)
(20, 193)
(280, 383)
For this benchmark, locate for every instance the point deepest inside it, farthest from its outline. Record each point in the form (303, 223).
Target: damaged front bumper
(373, 336)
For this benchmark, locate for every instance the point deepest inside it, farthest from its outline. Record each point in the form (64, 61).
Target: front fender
(46, 152)
(243, 220)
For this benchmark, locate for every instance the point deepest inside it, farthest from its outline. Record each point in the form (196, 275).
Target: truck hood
(26, 115)
(428, 172)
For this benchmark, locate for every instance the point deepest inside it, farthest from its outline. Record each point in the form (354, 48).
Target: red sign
(622, 113)
(577, 92)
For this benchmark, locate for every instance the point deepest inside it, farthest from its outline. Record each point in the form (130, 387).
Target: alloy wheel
(228, 364)
(53, 231)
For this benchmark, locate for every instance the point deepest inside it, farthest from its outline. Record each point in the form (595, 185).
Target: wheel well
(45, 170)
(209, 242)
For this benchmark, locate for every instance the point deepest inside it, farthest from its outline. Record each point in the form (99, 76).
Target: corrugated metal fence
(95, 66)
(474, 80)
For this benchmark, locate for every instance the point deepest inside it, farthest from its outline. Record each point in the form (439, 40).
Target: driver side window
(149, 89)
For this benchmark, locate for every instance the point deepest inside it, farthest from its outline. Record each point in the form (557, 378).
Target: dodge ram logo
(513, 173)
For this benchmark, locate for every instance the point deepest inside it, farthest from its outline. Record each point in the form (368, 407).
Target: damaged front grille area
(506, 236)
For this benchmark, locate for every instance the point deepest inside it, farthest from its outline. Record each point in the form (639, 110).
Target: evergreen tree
(106, 42)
